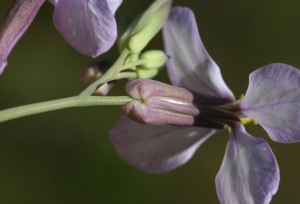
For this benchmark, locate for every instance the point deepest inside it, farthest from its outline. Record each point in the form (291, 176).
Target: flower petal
(190, 66)
(153, 148)
(89, 26)
(249, 172)
(273, 100)
(14, 25)
(114, 5)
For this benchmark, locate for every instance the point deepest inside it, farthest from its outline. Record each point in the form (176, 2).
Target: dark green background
(66, 156)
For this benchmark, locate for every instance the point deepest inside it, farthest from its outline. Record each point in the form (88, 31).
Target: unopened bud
(145, 26)
(155, 59)
(163, 104)
(94, 72)
(146, 73)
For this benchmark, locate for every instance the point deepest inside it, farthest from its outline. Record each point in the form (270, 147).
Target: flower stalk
(75, 101)
(107, 76)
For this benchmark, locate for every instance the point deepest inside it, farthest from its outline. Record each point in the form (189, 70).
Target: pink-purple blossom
(249, 172)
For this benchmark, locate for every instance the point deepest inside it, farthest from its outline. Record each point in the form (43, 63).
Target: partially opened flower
(182, 119)
(89, 25)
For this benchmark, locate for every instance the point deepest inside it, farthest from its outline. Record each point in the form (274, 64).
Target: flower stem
(133, 64)
(75, 101)
(107, 75)
(127, 75)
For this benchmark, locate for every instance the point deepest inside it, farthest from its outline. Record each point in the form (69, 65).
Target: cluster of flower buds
(135, 35)
(155, 59)
(147, 64)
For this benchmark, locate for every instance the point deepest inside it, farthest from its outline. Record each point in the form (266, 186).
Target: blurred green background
(66, 156)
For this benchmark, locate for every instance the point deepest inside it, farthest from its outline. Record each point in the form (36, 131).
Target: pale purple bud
(15, 23)
(94, 72)
(163, 104)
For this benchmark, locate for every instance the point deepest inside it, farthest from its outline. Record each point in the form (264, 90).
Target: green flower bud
(145, 26)
(146, 73)
(155, 59)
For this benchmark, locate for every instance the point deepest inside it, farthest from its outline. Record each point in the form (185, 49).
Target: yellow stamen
(248, 120)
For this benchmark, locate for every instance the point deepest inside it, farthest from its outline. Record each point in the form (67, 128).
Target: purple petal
(153, 148)
(14, 25)
(190, 66)
(249, 172)
(273, 100)
(114, 5)
(89, 26)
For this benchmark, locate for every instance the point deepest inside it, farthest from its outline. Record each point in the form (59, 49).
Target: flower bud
(155, 59)
(162, 104)
(94, 72)
(146, 73)
(145, 26)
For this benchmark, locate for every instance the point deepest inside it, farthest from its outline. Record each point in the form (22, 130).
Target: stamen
(248, 120)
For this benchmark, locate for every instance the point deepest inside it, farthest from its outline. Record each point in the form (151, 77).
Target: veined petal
(249, 172)
(89, 26)
(190, 66)
(14, 25)
(273, 100)
(153, 148)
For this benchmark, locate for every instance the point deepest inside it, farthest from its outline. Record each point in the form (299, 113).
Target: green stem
(125, 75)
(107, 75)
(75, 101)
(132, 64)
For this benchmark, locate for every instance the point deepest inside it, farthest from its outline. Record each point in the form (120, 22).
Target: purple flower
(89, 25)
(249, 172)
